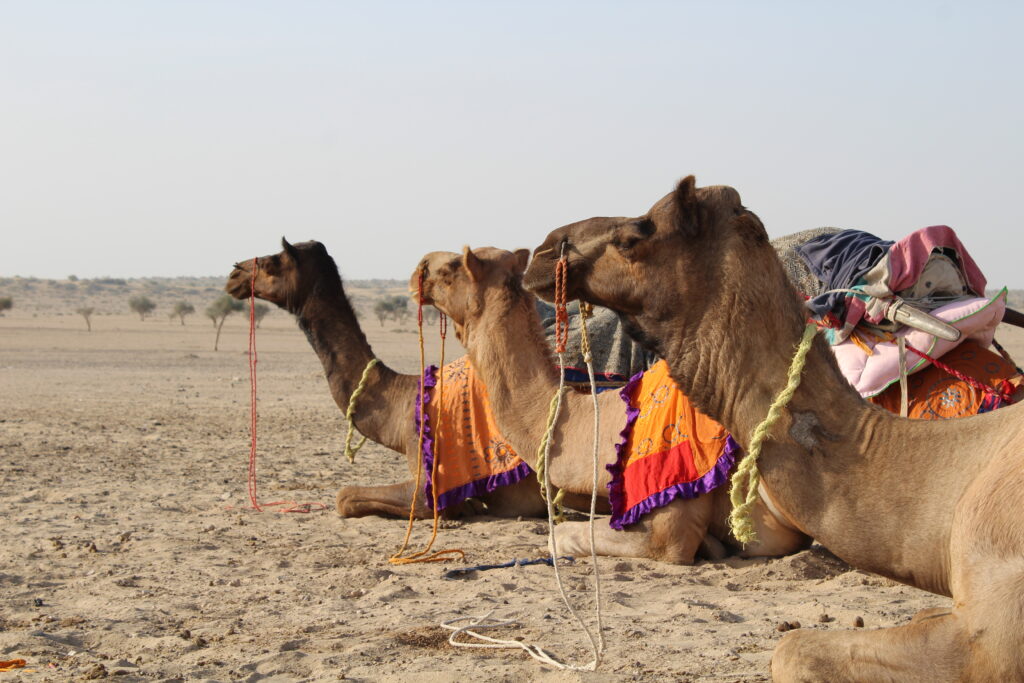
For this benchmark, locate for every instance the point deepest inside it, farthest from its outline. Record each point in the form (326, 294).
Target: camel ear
(473, 265)
(687, 208)
(522, 257)
(289, 249)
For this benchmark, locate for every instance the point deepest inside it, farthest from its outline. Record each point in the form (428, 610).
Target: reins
(291, 506)
(422, 555)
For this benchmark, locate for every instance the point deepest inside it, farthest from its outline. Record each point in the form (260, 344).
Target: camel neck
(506, 345)
(331, 326)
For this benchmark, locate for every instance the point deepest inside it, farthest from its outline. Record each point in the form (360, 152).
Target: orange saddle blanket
(668, 449)
(472, 456)
(934, 394)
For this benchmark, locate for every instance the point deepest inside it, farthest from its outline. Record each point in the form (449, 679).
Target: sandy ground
(130, 549)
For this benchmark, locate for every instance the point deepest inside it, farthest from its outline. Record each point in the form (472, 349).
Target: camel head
(289, 277)
(670, 257)
(460, 285)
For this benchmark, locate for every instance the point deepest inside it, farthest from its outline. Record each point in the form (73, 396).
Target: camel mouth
(238, 282)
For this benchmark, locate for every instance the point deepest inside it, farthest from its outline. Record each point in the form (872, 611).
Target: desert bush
(86, 312)
(142, 305)
(259, 312)
(219, 311)
(6, 304)
(181, 309)
(395, 307)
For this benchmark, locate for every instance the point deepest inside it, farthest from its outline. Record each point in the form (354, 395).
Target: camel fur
(303, 279)
(497, 322)
(934, 504)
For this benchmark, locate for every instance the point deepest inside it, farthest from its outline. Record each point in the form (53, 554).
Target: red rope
(1001, 393)
(292, 506)
(252, 388)
(561, 311)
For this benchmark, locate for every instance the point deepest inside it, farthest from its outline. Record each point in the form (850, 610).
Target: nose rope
(290, 506)
(422, 555)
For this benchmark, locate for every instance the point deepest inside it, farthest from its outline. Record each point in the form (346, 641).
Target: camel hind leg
(932, 649)
(391, 500)
(980, 640)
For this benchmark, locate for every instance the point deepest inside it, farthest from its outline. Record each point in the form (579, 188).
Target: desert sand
(131, 548)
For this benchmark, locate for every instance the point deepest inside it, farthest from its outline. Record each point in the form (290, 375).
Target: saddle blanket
(668, 449)
(934, 394)
(473, 458)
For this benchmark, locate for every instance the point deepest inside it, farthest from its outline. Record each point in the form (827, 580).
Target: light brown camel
(497, 322)
(932, 504)
(303, 279)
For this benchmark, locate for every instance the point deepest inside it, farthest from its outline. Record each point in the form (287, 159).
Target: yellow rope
(441, 555)
(542, 454)
(747, 475)
(350, 414)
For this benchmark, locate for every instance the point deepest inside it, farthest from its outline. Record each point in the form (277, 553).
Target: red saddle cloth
(669, 450)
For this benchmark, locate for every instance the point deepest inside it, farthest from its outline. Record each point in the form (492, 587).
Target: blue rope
(462, 571)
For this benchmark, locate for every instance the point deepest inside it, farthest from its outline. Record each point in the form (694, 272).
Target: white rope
(588, 358)
(486, 621)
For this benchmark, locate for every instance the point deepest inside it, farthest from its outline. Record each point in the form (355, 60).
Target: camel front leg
(932, 649)
(672, 533)
(391, 500)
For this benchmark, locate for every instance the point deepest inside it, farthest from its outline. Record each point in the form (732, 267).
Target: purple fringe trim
(428, 382)
(616, 487)
(482, 486)
(473, 488)
(715, 477)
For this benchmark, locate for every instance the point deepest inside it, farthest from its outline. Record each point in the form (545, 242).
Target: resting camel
(303, 279)
(497, 322)
(935, 505)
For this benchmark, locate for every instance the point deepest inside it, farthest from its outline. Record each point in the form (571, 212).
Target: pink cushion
(871, 375)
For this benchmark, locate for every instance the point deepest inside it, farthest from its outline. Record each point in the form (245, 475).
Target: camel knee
(794, 660)
(346, 502)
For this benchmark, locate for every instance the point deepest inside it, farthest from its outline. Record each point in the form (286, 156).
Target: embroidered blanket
(473, 458)
(934, 394)
(668, 449)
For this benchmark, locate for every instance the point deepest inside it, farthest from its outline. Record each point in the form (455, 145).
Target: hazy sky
(146, 138)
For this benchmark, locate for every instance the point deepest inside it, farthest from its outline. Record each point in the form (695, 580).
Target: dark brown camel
(303, 279)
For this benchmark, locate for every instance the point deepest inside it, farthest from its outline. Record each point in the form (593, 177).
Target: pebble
(859, 622)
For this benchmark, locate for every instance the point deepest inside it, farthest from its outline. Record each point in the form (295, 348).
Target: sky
(142, 138)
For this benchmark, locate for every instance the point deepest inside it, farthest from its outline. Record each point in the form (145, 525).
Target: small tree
(6, 304)
(86, 312)
(259, 312)
(218, 312)
(430, 315)
(181, 309)
(141, 305)
(382, 309)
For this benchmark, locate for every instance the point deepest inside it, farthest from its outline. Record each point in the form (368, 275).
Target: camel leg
(391, 500)
(671, 533)
(977, 642)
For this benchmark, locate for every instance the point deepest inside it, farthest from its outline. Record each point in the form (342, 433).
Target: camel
(931, 504)
(303, 279)
(496, 320)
